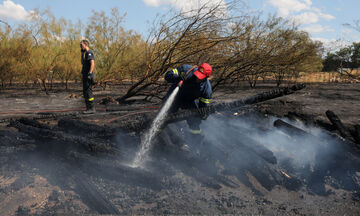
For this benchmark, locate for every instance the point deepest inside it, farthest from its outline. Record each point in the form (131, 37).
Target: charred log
(137, 122)
(81, 127)
(292, 130)
(142, 121)
(248, 144)
(327, 163)
(268, 175)
(33, 123)
(200, 166)
(191, 164)
(238, 103)
(233, 157)
(261, 151)
(35, 132)
(11, 142)
(295, 131)
(14, 142)
(335, 120)
(42, 116)
(325, 125)
(45, 134)
(306, 119)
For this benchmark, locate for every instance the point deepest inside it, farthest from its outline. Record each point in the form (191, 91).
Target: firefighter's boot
(90, 110)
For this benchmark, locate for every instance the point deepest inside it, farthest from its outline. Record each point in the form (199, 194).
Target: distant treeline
(239, 46)
(345, 60)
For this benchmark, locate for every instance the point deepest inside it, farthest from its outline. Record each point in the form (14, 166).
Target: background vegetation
(238, 45)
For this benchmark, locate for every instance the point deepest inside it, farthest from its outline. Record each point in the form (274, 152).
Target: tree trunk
(292, 130)
(44, 86)
(142, 121)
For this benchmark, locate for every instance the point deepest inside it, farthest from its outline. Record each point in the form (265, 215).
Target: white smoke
(300, 150)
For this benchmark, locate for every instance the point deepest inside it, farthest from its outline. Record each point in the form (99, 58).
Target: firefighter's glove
(203, 113)
(183, 76)
(91, 78)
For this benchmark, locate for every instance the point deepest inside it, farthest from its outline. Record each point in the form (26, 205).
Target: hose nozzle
(180, 83)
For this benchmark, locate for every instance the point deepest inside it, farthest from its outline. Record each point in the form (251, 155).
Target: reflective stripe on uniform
(91, 99)
(204, 100)
(195, 131)
(176, 72)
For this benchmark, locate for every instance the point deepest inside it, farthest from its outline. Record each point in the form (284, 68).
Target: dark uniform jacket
(190, 90)
(85, 60)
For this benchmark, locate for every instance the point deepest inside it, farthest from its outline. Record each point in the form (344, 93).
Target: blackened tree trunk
(140, 122)
(335, 120)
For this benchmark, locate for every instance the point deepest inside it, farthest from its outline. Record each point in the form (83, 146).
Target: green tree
(331, 62)
(47, 33)
(344, 60)
(266, 47)
(68, 66)
(355, 55)
(16, 46)
(111, 44)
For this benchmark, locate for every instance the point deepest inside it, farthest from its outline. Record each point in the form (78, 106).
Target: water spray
(155, 128)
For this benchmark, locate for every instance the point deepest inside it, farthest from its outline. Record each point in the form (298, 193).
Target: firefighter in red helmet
(195, 93)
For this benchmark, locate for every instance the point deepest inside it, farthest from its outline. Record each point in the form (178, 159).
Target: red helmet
(207, 70)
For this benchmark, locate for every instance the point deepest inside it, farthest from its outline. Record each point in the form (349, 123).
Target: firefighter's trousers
(87, 91)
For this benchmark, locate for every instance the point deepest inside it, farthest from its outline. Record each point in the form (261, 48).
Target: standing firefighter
(195, 93)
(88, 65)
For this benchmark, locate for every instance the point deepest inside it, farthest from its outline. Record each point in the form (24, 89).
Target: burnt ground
(64, 162)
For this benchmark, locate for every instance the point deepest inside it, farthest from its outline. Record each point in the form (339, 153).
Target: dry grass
(326, 77)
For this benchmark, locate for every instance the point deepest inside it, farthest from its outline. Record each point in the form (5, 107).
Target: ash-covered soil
(79, 164)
